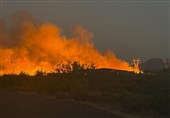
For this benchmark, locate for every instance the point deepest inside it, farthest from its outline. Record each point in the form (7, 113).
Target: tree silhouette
(40, 73)
(74, 66)
(77, 66)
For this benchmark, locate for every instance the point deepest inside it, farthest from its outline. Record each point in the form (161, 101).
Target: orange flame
(42, 47)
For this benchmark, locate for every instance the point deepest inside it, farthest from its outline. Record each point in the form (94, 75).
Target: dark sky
(130, 28)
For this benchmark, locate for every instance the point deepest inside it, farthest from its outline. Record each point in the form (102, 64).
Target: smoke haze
(29, 45)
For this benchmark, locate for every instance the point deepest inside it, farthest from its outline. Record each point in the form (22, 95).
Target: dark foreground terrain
(120, 93)
(23, 105)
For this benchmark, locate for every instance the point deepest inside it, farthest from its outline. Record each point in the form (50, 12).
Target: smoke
(29, 45)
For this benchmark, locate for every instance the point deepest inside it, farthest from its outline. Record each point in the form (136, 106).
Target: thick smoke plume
(28, 45)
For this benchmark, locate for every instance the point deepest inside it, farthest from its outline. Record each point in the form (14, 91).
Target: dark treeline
(145, 94)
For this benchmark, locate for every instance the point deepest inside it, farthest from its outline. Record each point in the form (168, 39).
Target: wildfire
(29, 46)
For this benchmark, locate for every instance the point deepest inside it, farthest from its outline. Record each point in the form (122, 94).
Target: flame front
(42, 47)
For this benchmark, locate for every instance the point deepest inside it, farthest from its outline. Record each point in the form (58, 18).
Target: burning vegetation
(28, 46)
